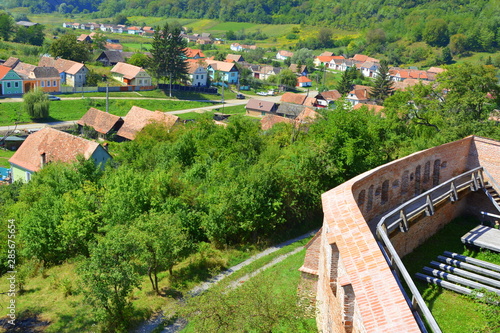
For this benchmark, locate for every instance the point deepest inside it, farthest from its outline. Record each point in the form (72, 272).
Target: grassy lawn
(55, 294)
(282, 279)
(4, 157)
(238, 109)
(453, 312)
(75, 109)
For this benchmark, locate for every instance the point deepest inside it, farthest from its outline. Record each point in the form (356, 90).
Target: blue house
(228, 71)
(10, 82)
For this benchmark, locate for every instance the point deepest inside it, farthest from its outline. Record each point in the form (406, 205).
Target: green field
(75, 109)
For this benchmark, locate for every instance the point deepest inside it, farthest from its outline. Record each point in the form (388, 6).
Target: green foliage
(436, 33)
(346, 81)
(67, 47)
(6, 25)
(287, 78)
(139, 59)
(161, 242)
(33, 35)
(168, 54)
(382, 85)
(36, 104)
(108, 277)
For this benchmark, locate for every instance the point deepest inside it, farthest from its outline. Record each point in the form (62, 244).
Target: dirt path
(179, 324)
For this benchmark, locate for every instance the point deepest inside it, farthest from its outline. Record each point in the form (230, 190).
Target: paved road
(33, 126)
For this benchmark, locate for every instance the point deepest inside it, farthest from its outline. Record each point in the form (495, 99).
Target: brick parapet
(351, 209)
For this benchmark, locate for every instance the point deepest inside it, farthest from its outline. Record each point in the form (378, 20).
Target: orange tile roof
(127, 70)
(363, 58)
(271, 119)
(58, 147)
(303, 79)
(307, 115)
(137, 118)
(289, 97)
(101, 121)
(113, 46)
(220, 65)
(3, 71)
(191, 53)
(374, 108)
(285, 53)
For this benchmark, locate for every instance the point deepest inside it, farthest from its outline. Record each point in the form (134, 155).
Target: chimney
(43, 160)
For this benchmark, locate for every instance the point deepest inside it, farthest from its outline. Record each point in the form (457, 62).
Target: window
(16, 84)
(42, 83)
(417, 180)
(369, 203)
(140, 81)
(385, 192)
(8, 84)
(435, 174)
(28, 176)
(54, 83)
(405, 182)
(361, 198)
(48, 83)
(196, 76)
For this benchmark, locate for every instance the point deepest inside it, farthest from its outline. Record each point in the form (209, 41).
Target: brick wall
(364, 296)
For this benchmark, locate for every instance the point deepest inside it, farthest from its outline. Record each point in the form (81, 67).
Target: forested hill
(340, 13)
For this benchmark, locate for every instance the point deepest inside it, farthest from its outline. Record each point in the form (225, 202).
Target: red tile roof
(271, 119)
(137, 118)
(58, 147)
(363, 58)
(11, 62)
(113, 46)
(101, 121)
(285, 53)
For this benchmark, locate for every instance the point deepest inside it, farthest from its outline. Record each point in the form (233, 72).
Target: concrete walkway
(180, 323)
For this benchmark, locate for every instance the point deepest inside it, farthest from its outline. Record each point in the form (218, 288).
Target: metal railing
(400, 217)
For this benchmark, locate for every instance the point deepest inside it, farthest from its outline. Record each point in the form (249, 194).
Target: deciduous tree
(67, 47)
(36, 104)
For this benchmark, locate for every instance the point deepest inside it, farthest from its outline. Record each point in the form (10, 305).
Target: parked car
(262, 93)
(53, 98)
(240, 96)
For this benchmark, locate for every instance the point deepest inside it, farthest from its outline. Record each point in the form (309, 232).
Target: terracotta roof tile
(271, 119)
(137, 118)
(58, 147)
(332, 95)
(221, 65)
(128, 71)
(260, 105)
(289, 97)
(101, 121)
(62, 65)
(11, 62)
(3, 71)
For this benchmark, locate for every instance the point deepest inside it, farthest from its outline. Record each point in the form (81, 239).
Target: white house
(198, 74)
(283, 55)
(131, 75)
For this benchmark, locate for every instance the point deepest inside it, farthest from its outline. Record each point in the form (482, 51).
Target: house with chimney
(228, 71)
(258, 108)
(360, 94)
(51, 146)
(198, 74)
